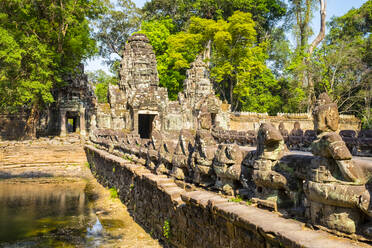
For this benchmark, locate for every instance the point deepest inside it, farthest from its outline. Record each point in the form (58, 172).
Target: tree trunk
(33, 119)
(313, 45)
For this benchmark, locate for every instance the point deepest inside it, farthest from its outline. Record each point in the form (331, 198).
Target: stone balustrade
(270, 175)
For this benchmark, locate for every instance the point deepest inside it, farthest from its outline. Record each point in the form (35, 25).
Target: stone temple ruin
(300, 165)
(138, 103)
(74, 105)
(191, 140)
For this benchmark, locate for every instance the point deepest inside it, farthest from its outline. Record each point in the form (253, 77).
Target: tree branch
(320, 37)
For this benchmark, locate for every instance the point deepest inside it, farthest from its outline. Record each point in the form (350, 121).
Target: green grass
(238, 198)
(166, 229)
(87, 165)
(126, 157)
(113, 193)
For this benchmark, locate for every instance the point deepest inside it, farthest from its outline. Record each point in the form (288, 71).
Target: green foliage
(87, 165)
(237, 198)
(265, 12)
(341, 66)
(101, 80)
(113, 193)
(114, 28)
(174, 52)
(166, 229)
(126, 157)
(40, 42)
(238, 60)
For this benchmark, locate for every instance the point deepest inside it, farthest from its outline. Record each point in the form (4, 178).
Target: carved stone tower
(138, 66)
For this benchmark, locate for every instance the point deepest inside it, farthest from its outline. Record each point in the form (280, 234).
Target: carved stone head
(296, 125)
(325, 114)
(270, 143)
(282, 130)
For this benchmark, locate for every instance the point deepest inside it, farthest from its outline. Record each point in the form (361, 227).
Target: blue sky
(334, 8)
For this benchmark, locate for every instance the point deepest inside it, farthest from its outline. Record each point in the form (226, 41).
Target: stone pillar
(63, 123)
(135, 121)
(82, 122)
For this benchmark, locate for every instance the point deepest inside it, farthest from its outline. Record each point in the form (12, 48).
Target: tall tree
(302, 10)
(313, 45)
(47, 38)
(265, 13)
(114, 27)
(342, 65)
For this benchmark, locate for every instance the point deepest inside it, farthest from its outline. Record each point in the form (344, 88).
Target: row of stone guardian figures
(328, 189)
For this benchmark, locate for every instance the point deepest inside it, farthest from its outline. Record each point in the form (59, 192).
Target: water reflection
(45, 214)
(57, 213)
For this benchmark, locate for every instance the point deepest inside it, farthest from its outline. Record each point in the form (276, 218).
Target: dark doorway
(145, 125)
(72, 122)
(71, 125)
(213, 119)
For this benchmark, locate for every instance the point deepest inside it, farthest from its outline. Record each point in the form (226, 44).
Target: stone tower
(197, 84)
(138, 66)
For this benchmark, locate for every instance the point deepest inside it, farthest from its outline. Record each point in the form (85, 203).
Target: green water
(44, 214)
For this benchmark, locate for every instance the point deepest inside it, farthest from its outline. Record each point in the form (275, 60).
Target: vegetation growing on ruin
(166, 229)
(113, 193)
(237, 198)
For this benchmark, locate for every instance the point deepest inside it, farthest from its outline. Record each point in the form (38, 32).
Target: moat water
(37, 213)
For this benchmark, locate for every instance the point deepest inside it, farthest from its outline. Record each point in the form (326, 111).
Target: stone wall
(103, 117)
(243, 121)
(12, 127)
(189, 217)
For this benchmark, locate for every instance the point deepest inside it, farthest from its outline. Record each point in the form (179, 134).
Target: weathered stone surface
(325, 114)
(335, 186)
(188, 140)
(182, 157)
(227, 165)
(205, 148)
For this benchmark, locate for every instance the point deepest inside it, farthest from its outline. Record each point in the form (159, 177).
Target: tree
(114, 28)
(265, 13)
(174, 52)
(238, 62)
(47, 39)
(313, 45)
(101, 81)
(341, 66)
(302, 10)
